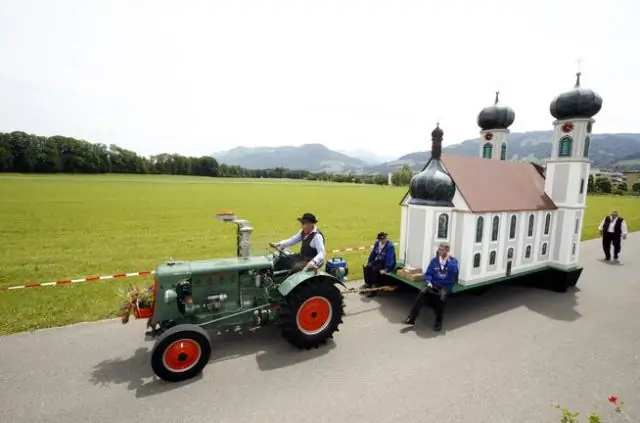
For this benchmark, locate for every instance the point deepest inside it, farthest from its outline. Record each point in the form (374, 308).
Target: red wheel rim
(181, 355)
(314, 315)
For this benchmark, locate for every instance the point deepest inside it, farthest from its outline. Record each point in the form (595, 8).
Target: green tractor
(191, 297)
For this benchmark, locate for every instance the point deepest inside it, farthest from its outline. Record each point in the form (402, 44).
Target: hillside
(607, 150)
(311, 157)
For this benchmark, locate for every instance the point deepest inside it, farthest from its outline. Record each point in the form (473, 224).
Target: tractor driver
(312, 249)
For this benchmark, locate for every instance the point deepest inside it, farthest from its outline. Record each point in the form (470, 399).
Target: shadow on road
(466, 308)
(271, 351)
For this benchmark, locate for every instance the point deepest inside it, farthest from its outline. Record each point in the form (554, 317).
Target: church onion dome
(433, 186)
(576, 103)
(496, 116)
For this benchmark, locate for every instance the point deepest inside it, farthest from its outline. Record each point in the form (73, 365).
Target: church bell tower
(494, 122)
(567, 169)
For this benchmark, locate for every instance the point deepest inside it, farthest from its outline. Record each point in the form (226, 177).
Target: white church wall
(402, 248)
(459, 238)
(459, 203)
(417, 218)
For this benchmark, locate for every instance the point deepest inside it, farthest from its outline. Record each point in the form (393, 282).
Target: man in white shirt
(312, 249)
(612, 229)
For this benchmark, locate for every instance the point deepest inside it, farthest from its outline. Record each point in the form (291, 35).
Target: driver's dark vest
(306, 250)
(617, 228)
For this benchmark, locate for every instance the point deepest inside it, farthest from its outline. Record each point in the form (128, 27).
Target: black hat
(308, 217)
(382, 235)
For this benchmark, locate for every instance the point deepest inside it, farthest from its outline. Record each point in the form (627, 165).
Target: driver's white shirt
(317, 242)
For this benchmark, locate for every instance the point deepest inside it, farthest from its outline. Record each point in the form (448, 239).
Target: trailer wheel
(180, 353)
(311, 313)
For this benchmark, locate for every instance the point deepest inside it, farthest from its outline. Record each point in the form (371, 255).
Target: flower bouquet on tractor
(139, 302)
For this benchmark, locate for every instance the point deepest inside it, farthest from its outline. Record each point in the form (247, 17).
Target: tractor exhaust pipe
(243, 245)
(244, 233)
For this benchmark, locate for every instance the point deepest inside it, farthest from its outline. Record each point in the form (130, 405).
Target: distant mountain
(311, 157)
(621, 151)
(367, 156)
(606, 151)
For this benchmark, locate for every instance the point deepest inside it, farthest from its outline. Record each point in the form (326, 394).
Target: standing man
(612, 229)
(382, 260)
(439, 278)
(312, 249)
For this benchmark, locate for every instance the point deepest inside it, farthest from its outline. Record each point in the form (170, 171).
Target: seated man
(311, 255)
(439, 278)
(382, 259)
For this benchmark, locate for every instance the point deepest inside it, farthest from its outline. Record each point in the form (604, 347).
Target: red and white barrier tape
(126, 275)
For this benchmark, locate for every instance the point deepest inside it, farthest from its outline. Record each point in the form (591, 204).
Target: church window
(487, 150)
(512, 227)
(582, 186)
(547, 223)
(443, 226)
(495, 228)
(503, 151)
(479, 228)
(573, 249)
(530, 228)
(587, 141)
(544, 249)
(492, 258)
(566, 143)
(510, 253)
(527, 252)
(577, 226)
(476, 260)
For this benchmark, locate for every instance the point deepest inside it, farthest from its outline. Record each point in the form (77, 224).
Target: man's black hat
(382, 235)
(308, 217)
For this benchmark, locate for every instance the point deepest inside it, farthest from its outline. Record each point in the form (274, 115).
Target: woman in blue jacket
(439, 278)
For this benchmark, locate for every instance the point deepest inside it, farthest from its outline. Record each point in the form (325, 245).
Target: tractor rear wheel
(181, 353)
(311, 313)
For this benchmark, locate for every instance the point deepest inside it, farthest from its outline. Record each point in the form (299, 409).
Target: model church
(502, 218)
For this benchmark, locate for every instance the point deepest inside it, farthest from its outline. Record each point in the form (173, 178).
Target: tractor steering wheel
(278, 249)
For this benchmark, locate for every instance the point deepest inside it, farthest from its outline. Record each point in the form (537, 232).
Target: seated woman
(382, 259)
(439, 279)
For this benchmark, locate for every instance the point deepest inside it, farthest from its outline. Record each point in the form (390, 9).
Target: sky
(195, 77)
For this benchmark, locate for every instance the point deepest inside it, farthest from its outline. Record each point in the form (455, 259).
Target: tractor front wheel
(181, 353)
(311, 313)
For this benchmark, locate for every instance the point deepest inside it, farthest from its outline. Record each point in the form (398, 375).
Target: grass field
(66, 226)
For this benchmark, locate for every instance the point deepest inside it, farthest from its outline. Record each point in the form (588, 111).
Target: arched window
(547, 223)
(527, 252)
(573, 249)
(492, 258)
(503, 151)
(510, 253)
(443, 226)
(587, 141)
(577, 229)
(487, 150)
(495, 228)
(566, 143)
(476, 260)
(544, 248)
(512, 227)
(479, 228)
(530, 228)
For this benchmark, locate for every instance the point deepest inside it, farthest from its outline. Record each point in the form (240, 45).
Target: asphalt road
(505, 357)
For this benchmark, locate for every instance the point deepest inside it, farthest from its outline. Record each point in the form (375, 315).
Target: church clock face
(488, 136)
(567, 127)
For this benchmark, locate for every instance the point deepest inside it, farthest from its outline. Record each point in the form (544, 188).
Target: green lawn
(74, 226)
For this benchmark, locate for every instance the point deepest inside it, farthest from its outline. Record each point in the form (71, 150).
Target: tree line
(28, 153)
